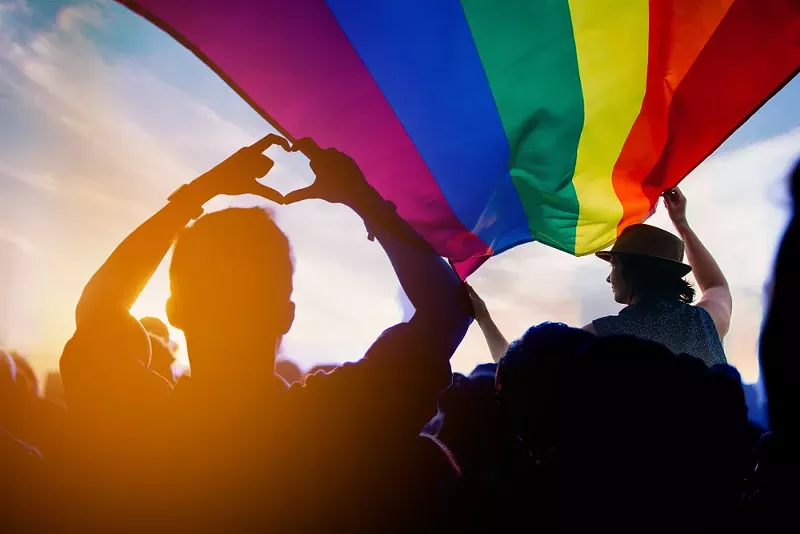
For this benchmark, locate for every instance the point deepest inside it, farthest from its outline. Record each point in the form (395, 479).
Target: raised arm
(102, 312)
(438, 296)
(117, 284)
(498, 344)
(716, 295)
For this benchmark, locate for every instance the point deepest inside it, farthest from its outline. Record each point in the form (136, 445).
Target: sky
(102, 116)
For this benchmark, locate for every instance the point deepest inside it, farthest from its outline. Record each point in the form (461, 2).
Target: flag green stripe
(539, 99)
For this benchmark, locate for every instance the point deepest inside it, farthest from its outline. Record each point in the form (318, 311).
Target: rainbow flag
(491, 123)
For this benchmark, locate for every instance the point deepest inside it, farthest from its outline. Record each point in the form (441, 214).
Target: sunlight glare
(153, 302)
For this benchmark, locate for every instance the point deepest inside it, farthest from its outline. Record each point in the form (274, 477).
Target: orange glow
(153, 302)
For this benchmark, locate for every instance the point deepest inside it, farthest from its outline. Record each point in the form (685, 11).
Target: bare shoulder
(717, 302)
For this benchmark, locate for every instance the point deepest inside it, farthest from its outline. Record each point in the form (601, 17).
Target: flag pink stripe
(292, 60)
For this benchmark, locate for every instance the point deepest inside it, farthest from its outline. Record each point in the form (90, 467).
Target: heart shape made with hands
(305, 146)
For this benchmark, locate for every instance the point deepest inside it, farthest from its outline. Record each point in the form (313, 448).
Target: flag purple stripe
(296, 66)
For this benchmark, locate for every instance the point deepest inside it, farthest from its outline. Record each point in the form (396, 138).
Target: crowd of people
(634, 423)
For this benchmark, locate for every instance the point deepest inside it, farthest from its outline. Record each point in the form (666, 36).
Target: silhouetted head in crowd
(161, 358)
(530, 377)
(471, 425)
(54, 388)
(155, 326)
(8, 374)
(231, 287)
(320, 368)
(26, 377)
(289, 371)
(11, 391)
(162, 354)
(645, 437)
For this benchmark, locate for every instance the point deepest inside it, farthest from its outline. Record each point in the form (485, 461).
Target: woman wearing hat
(647, 274)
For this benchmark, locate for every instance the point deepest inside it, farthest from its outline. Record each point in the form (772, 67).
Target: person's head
(647, 262)
(530, 377)
(635, 276)
(323, 368)
(231, 282)
(26, 377)
(646, 432)
(161, 358)
(155, 326)
(471, 422)
(8, 379)
(13, 390)
(289, 371)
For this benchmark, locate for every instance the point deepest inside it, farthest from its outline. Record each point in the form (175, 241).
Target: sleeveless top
(682, 328)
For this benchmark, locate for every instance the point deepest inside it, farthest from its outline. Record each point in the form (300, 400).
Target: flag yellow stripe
(611, 39)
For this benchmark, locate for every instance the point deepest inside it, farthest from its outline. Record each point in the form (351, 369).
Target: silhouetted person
(162, 353)
(20, 462)
(155, 326)
(531, 377)
(54, 389)
(26, 376)
(289, 371)
(249, 449)
(647, 441)
(322, 367)
(772, 506)
(470, 423)
(647, 274)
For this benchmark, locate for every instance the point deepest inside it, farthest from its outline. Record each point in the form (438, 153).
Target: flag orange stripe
(754, 52)
(679, 29)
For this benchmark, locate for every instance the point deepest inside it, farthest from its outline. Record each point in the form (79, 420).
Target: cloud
(22, 243)
(75, 17)
(37, 180)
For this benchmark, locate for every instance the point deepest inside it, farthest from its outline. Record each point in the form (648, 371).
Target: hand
(338, 178)
(479, 309)
(675, 203)
(239, 174)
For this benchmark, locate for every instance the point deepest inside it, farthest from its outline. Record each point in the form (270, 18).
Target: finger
(266, 192)
(301, 194)
(263, 166)
(307, 146)
(268, 140)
